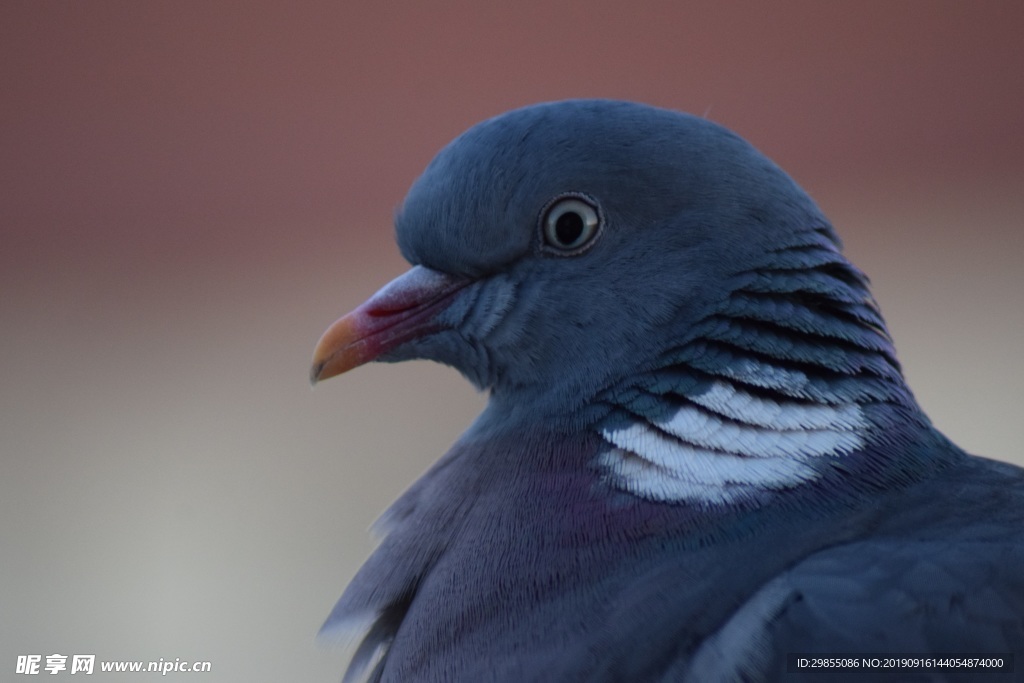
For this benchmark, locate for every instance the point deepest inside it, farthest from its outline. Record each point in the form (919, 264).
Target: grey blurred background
(191, 191)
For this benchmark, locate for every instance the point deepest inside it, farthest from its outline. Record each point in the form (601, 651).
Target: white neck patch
(728, 443)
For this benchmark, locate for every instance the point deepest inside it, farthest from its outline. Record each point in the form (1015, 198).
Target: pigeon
(699, 459)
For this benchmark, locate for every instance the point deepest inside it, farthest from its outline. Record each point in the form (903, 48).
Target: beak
(406, 308)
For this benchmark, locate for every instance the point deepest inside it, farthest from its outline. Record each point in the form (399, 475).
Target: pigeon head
(563, 250)
(647, 173)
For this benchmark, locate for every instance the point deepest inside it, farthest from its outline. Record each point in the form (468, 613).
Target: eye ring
(570, 224)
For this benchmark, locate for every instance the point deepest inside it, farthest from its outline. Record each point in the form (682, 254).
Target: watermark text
(56, 663)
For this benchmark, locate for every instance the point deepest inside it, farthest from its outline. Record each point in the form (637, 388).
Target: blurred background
(190, 192)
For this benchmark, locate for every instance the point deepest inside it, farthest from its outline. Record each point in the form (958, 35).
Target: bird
(699, 459)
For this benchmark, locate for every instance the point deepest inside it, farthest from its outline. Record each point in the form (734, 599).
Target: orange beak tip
(402, 310)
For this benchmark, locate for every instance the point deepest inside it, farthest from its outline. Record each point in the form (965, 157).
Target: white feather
(724, 399)
(697, 455)
(701, 428)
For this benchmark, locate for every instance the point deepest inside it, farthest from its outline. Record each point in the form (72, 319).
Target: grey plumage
(699, 453)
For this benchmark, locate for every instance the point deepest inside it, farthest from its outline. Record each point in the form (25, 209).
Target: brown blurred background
(191, 191)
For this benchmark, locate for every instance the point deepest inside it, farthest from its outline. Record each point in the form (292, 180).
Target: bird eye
(570, 224)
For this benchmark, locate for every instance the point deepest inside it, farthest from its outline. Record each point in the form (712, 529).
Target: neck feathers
(792, 374)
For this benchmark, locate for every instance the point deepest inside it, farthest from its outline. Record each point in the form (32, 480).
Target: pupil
(569, 227)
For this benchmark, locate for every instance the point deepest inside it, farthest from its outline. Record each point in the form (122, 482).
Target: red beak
(406, 308)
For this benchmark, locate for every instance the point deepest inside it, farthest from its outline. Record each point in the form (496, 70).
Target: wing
(955, 585)
(875, 597)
